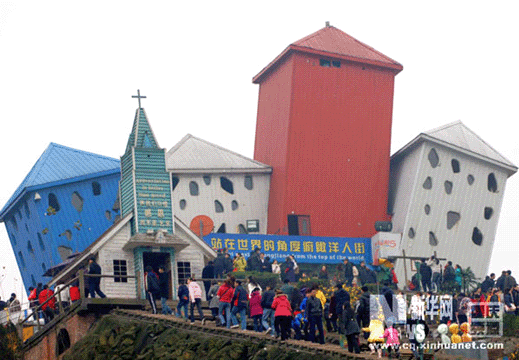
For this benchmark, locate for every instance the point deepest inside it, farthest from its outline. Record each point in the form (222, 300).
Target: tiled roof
(330, 41)
(59, 164)
(459, 136)
(192, 154)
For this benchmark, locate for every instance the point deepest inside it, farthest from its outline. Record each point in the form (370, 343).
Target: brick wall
(76, 326)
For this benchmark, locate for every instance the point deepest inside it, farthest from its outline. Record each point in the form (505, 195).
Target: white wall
(469, 201)
(252, 204)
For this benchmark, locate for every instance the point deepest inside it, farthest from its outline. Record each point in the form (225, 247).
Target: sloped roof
(460, 137)
(142, 133)
(194, 155)
(61, 164)
(330, 41)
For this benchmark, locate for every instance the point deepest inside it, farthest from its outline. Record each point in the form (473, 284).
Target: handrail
(80, 277)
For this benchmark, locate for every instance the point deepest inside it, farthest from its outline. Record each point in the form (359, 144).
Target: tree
(469, 282)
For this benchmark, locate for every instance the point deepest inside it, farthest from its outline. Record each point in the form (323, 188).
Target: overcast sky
(68, 70)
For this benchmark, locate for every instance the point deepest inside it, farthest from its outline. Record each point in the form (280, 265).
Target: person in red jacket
(256, 311)
(225, 294)
(49, 307)
(74, 292)
(282, 314)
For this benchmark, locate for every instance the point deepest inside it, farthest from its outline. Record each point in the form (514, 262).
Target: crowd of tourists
(304, 312)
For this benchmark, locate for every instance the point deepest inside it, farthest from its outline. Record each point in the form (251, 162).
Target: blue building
(68, 199)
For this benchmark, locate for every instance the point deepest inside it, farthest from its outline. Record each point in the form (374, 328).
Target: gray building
(445, 195)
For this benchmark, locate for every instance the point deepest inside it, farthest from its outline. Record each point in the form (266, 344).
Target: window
(207, 179)
(477, 236)
(53, 202)
(174, 182)
(96, 188)
(452, 219)
(77, 201)
(248, 182)
(427, 184)
(108, 215)
(120, 269)
(33, 280)
(492, 183)
(448, 187)
(13, 238)
(434, 160)
(336, 63)
(193, 188)
(433, 241)
(43, 267)
(64, 252)
(411, 233)
(29, 247)
(455, 166)
(184, 271)
(40, 241)
(22, 260)
(15, 224)
(324, 62)
(226, 184)
(218, 207)
(27, 211)
(182, 204)
(427, 209)
(221, 229)
(234, 205)
(470, 179)
(67, 233)
(488, 212)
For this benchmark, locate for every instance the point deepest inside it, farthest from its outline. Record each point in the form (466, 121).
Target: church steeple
(142, 135)
(145, 183)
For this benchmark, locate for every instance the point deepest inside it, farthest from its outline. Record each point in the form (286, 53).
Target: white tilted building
(445, 196)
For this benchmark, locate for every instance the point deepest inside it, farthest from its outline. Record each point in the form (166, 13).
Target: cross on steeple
(138, 96)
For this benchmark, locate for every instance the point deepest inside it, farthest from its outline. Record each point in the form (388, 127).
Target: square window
(336, 63)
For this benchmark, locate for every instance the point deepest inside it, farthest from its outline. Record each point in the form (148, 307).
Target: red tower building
(324, 125)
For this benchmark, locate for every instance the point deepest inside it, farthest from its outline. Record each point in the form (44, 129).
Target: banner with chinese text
(306, 249)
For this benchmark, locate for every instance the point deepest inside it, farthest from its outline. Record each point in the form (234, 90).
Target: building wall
(113, 250)
(251, 203)
(76, 326)
(35, 237)
(468, 200)
(403, 180)
(334, 163)
(271, 143)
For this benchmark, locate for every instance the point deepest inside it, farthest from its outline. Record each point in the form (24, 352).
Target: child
(183, 300)
(256, 310)
(298, 323)
(376, 336)
(391, 335)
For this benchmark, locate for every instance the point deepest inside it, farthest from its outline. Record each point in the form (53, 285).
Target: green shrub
(511, 325)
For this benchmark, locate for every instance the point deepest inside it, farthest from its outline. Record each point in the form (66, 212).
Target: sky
(68, 70)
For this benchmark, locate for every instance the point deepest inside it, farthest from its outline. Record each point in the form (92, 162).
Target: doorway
(156, 260)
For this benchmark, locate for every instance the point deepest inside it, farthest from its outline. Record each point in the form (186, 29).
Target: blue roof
(60, 164)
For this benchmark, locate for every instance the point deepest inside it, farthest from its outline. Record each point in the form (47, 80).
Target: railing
(57, 295)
